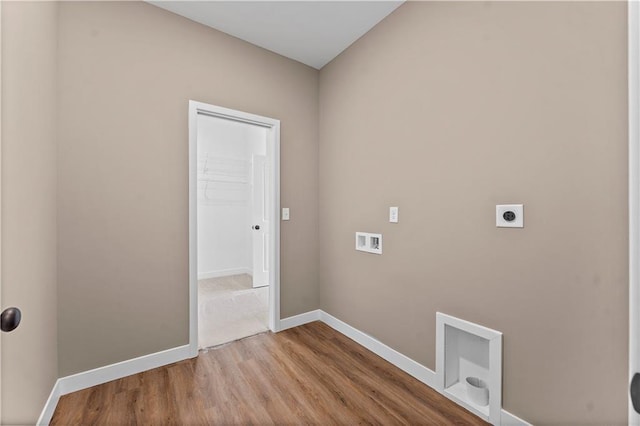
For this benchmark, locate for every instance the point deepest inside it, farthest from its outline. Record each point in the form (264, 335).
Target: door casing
(634, 196)
(1, 305)
(273, 159)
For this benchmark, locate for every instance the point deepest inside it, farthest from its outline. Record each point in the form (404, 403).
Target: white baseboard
(403, 362)
(50, 405)
(224, 273)
(97, 376)
(298, 320)
(118, 370)
(508, 419)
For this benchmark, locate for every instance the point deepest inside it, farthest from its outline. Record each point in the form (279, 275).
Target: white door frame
(1, 305)
(273, 151)
(634, 196)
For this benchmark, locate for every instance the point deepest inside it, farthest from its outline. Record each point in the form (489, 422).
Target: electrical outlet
(510, 216)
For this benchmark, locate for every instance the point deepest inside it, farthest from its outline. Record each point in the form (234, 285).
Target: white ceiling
(311, 32)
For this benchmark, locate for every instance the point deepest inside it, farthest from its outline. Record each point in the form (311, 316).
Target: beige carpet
(229, 308)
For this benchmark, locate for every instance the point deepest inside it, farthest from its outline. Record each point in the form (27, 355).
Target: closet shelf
(224, 179)
(223, 169)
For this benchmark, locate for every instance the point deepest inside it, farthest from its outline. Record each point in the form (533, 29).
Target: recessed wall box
(469, 366)
(368, 242)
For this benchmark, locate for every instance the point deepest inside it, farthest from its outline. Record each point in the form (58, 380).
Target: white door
(260, 217)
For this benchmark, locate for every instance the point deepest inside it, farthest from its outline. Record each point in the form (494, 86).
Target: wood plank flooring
(306, 375)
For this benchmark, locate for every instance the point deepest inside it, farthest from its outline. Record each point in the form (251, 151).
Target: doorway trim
(1, 305)
(273, 149)
(633, 81)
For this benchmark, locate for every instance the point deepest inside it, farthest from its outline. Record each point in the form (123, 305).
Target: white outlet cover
(518, 222)
(393, 214)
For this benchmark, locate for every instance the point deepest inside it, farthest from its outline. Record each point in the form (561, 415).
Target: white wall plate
(510, 216)
(393, 214)
(370, 243)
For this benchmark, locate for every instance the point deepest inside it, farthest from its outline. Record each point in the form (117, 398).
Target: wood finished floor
(306, 375)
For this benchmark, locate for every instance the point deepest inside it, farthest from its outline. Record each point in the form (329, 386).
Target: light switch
(393, 214)
(285, 213)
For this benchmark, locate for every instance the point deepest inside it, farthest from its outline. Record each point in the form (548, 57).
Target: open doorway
(234, 208)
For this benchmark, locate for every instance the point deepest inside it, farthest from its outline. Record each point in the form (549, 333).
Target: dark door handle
(256, 227)
(10, 319)
(635, 392)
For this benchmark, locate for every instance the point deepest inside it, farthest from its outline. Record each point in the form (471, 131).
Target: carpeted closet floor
(229, 308)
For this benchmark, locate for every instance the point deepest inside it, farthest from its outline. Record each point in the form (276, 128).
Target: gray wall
(126, 73)
(446, 109)
(29, 354)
